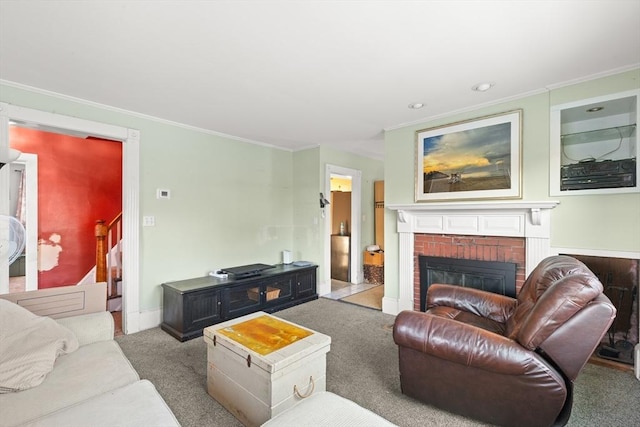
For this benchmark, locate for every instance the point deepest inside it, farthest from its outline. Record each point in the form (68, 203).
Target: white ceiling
(296, 74)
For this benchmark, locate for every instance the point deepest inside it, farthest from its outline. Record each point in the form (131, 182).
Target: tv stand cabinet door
(306, 283)
(202, 309)
(186, 315)
(239, 300)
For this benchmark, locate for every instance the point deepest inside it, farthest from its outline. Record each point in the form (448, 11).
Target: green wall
(372, 170)
(309, 169)
(603, 222)
(232, 202)
(307, 223)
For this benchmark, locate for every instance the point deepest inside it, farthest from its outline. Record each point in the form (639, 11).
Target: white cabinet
(594, 145)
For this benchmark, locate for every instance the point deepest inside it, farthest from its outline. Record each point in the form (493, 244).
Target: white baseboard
(637, 360)
(324, 287)
(390, 306)
(150, 319)
(136, 322)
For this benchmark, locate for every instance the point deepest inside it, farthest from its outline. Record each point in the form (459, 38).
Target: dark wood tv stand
(191, 305)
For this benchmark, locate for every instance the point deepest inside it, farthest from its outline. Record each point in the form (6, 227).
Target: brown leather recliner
(502, 360)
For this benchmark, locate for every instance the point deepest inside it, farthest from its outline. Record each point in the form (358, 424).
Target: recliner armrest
(571, 351)
(485, 304)
(463, 344)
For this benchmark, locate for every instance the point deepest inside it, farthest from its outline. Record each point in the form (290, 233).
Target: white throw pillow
(29, 346)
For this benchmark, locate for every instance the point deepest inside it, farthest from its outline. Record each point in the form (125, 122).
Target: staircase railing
(109, 253)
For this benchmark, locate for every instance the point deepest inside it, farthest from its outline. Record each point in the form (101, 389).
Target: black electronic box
(603, 174)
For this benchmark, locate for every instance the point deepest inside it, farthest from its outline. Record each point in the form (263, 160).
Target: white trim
(555, 143)
(596, 252)
(531, 220)
(546, 89)
(4, 196)
(390, 305)
(135, 114)
(39, 119)
(149, 319)
(637, 360)
(405, 271)
(130, 188)
(131, 227)
(515, 205)
(30, 162)
(595, 76)
(356, 269)
(474, 107)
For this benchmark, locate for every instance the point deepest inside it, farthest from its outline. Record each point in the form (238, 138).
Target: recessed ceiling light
(594, 109)
(416, 105)
(483, 87)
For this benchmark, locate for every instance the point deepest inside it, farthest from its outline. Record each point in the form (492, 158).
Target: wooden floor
(595, 360)
(117, 320)
(17, 284)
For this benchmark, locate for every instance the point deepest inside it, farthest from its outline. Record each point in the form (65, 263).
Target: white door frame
(130, 189)
(356, 225)
(30, 162)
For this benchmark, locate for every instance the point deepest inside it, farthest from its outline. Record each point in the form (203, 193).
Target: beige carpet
(371, 298)
(362, 366)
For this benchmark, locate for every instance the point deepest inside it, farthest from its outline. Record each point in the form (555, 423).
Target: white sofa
(313, 411)
(93, 385)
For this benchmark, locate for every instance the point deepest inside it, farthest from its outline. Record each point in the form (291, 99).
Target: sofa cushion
(90, 328)
(88, 372)
(137, 404)
(30, 346)
(330, 410)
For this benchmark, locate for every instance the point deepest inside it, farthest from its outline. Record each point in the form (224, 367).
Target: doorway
(130, 189)
(70, 170)
(341, 225)
(23, 204)
(354, 227)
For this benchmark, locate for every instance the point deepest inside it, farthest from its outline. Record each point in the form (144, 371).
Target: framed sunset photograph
(474, 159)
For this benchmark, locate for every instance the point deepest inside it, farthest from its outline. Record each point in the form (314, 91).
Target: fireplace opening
(492, 276)
(619, 277)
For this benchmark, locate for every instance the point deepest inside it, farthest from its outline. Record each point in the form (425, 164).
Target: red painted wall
(79, 182)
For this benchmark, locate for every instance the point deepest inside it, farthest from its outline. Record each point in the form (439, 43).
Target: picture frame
(470, 160)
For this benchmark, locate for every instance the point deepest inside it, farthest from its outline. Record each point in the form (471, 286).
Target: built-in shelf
(596, 135)
(594, 145)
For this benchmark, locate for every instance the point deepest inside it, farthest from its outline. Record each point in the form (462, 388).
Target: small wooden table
(259, 365)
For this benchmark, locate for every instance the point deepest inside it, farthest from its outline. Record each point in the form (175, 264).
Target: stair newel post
(101, 251)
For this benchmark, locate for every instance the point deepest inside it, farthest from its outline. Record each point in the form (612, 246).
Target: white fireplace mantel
(528, 219)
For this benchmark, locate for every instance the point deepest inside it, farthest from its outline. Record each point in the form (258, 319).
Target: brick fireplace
(517, 229)
(477, 248)
(479, 229)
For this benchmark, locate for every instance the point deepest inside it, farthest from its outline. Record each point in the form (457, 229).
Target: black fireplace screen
(620, 279)
(492, 276)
